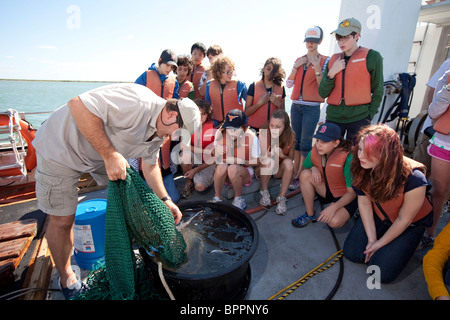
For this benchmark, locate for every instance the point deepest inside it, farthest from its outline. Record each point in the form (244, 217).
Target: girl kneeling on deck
(277, 155)
(327, 174)
(392, 201)
(237, 151)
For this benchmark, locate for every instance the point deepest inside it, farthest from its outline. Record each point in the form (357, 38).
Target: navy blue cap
(235, 119)
(328, 132)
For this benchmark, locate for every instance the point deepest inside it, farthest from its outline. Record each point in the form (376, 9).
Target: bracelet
(329, 78)
(164, 199)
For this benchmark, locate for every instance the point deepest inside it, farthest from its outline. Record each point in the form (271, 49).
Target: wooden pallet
(15, 239)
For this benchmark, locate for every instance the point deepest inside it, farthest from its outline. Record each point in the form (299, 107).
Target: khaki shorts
(56, 187)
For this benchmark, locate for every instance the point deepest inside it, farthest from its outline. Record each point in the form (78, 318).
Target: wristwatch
(166, 198)
(318, 74)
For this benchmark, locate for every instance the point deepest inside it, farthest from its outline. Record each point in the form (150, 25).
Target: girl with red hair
(392, 201)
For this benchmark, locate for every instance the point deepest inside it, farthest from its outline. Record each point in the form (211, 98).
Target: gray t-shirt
(129, 113)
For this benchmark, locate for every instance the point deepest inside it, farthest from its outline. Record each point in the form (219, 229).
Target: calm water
(40, 96)
(43, 96)
(215, 241)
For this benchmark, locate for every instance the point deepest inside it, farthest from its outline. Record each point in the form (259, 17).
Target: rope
(163, 281)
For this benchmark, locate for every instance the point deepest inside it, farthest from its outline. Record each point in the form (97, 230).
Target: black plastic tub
(229, 283)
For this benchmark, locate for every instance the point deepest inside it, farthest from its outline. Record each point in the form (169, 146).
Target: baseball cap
(190, 114)
(348, 26)
(328, 132)
(169, 57)
(314, 34)
(235, 119)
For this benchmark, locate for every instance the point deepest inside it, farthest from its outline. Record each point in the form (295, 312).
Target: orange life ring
(28, 133)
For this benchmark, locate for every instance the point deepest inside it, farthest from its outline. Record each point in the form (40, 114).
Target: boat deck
(285, 254)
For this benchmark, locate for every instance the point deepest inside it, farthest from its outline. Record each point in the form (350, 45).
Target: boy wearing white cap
(305, 110)
(352, 81)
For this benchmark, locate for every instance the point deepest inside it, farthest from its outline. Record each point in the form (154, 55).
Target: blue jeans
(171, 188)
(393, 257)
(352, 128)
(304, 121)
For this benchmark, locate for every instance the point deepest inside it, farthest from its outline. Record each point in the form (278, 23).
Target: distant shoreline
(66, 81)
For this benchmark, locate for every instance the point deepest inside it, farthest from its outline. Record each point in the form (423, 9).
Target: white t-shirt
(432, 84)
(129, 113)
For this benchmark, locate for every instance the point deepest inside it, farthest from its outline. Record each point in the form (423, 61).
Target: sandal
(188, 188)
(303, 220)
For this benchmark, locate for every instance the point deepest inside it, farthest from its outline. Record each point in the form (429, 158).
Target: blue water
(40, 96)
(47, 96)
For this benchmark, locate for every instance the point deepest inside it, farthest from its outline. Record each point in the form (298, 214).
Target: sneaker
(303, 220)
(281, 206)
(295, 184)
(239, 202)
(217, 199)
(73, 290)
(265, 198)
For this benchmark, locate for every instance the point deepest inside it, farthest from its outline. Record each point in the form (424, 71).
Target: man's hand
(116, 166)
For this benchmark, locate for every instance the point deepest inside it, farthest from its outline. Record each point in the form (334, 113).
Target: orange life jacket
(241, 147)
(195, 79)
(334, 170)
(261, 116)
(164, 154)
(305, 85)
(164, 90)
(442, 124)
(265, 136)
(222, 102)
(185, 89)
(353, 84)
(392, 207)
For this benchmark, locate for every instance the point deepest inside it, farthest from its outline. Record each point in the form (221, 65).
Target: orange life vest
(265, 136)
(305, 85)
(164, 154)
(353, 84)
(261, 116)
(222, 102)
(185, 89)
(164, 90)
(334, 170)
(442, 124)
(241, 147)
(195, 79)
(392, 207)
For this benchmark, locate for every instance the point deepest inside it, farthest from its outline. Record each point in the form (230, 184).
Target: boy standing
(352, 81)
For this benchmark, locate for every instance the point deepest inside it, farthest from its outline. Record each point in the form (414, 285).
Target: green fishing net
(134, 215)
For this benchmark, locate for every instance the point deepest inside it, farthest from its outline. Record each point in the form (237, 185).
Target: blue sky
(117, 40)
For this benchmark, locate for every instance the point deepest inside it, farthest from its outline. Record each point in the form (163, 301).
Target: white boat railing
(13, 157)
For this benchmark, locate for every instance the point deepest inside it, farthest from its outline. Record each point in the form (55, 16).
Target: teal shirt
(346, 114)
(347, 173)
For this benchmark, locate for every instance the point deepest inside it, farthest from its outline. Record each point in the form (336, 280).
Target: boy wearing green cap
(352, 81)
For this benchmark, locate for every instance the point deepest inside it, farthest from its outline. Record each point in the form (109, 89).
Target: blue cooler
(89, 233)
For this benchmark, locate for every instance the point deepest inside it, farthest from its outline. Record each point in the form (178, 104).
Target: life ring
(28, 133)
